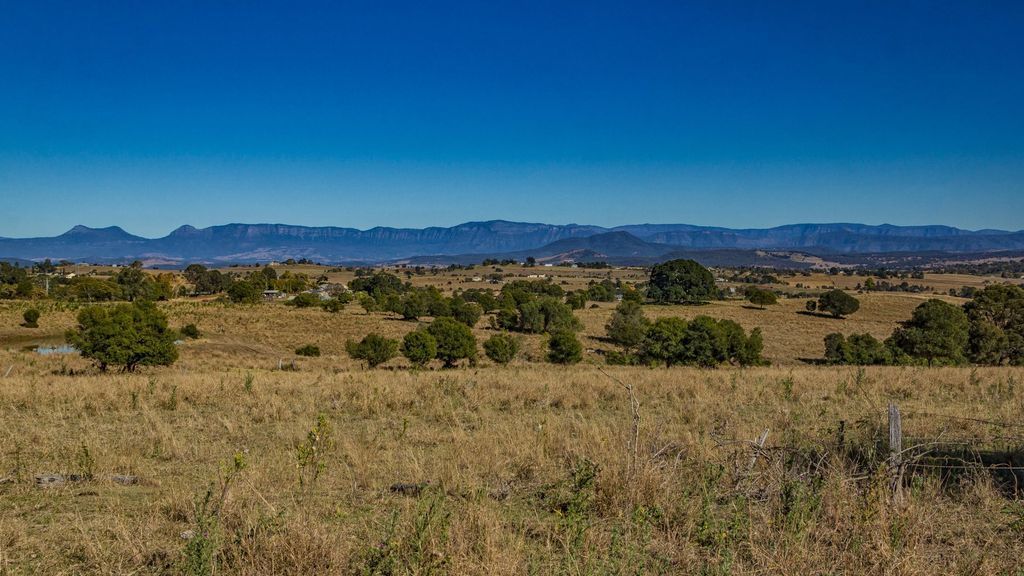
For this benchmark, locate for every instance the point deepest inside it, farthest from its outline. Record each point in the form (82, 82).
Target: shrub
(455, 340)
(858, 349)
(501, 348)
(627, 325)
(126, 335)
(468, 313)
(309, 350)
(31, 317)
(367, 302)
(334, 305)
(374, 349)
(564, 348)
(420, 347)
(189, 331)
(305, 300)
(576, 300)
(702, 341)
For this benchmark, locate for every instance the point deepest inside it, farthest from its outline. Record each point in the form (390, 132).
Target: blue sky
(150, 115)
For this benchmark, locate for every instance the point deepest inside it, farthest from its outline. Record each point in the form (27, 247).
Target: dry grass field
(531, 468)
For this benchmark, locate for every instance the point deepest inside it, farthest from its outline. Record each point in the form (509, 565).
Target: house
(273, 294)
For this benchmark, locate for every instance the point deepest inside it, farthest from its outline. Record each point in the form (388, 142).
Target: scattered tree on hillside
(937, 331)
(455, 341)
(419, 347)
(760, 297)
(681, 282)
(996, 314)
(627, 326)
(501, 348)
(243, 292)
(837, 303)
(373, 349)
(564, 348)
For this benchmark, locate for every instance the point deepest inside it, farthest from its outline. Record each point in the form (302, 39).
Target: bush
(576, 300)
(627, 325)
(501, 348)
(420, 347)
(702, 341)
(309, 350)
(858, 349)
(374, 349)
(126, 335)
(455, 341)
(334, 305)
(305, 300)
(564, 348)
(189, 331)
(838, 303)
(31, 317)
(468, 313)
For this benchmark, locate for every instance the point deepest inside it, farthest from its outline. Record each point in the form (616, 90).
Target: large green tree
(937, 331)
(125, 335)
(996, 314)
(838, 303)
(681, 282)
(760, 297)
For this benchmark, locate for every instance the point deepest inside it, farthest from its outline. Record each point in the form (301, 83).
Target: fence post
(895, 453)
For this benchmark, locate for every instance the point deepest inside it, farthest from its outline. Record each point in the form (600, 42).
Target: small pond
(47, 350)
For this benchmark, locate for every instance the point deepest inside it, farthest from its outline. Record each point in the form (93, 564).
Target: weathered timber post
(895, 453)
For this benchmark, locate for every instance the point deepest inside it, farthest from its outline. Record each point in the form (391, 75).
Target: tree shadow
(820, 315)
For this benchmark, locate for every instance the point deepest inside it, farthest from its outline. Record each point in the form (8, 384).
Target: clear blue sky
(150, 115)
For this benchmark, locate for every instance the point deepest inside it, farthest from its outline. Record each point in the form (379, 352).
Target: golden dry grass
(505, 451)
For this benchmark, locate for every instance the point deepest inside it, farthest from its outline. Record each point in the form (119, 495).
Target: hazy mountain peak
(103, 234)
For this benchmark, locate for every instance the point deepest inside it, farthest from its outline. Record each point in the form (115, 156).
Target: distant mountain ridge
(242, 243)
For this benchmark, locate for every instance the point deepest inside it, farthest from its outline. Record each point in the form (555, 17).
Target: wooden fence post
(895, 453)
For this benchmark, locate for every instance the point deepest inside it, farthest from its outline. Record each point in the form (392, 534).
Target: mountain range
(473, 241)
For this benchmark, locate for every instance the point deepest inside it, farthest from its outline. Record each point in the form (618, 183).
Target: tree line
(987, 330)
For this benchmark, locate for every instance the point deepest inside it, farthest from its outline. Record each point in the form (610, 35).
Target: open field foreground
(532, 468)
